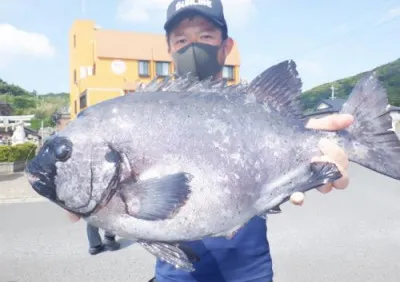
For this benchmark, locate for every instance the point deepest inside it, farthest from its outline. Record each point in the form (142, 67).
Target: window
(144, 68)
(75, 107)
(162, 68)
(74, 41)
(322, 106)
(228, 72)
(83, 100)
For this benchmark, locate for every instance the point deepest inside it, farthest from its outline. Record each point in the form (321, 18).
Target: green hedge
(15, 153)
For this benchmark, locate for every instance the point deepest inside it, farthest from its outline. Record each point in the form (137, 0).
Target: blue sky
(328, 39)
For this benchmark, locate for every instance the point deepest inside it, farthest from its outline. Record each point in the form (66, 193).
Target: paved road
(351, 235)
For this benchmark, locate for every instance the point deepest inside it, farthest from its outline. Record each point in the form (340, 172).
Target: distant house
(331, 106)
(327, 107)
(61, 118)
(106, 63)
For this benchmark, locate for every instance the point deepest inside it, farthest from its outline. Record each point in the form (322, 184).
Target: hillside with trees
(24, 102)
(388, 74)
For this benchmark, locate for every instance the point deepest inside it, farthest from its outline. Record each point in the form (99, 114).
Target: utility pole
(332, 92)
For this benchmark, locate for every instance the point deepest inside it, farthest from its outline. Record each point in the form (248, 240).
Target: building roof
(334, 106)
(138, 45)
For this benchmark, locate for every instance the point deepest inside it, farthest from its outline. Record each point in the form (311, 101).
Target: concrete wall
(6, 168)
(396, 122)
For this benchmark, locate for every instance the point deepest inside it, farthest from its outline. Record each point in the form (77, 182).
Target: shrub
(15, 153)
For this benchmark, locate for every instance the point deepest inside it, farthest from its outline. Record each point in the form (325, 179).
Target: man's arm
(331, 152)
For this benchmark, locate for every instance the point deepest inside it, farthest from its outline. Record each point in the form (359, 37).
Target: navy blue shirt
(246, 257)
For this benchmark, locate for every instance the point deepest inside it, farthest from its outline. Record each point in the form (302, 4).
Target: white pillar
(396, 122)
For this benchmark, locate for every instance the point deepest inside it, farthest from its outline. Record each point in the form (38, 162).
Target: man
(198, 42)
(96, 245)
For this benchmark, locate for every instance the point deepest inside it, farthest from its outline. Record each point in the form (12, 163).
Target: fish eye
(63, 150)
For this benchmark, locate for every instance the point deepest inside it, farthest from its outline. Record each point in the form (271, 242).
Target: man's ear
(168, 45)
(226, 49)
(228, 45)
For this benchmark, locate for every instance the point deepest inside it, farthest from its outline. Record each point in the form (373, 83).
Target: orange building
(107, 63)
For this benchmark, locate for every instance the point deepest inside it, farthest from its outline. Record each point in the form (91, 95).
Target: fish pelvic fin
(156, 198)
(371, 140)
(178, 255)
(280, 88)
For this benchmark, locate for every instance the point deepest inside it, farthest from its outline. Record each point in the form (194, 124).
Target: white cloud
(140, 10)
(17, 43)
(390, 15)
(237, 12)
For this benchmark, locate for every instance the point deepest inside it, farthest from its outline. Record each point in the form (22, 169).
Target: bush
(15, 153)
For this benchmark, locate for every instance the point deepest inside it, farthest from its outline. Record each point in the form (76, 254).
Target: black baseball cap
(211, 9)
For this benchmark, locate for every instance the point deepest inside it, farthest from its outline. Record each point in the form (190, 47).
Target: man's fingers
(332, 122)
(341, 183)
(325, 188)
(334, 152)
(297, 198)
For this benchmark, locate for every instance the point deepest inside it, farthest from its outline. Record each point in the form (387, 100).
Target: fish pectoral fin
(302, 180)
(156, 198)
(177, 255)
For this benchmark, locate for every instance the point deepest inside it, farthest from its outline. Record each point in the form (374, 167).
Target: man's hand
(331, 152)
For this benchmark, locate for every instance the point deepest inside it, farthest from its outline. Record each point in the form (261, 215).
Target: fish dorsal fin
(280, 88)
(190, 85)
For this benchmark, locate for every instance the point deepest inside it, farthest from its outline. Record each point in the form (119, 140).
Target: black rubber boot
(96, 250)
(110, 243)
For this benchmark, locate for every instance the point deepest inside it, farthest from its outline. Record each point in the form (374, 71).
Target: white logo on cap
(185, 3)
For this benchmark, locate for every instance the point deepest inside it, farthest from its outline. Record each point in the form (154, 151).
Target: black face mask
(197, 60)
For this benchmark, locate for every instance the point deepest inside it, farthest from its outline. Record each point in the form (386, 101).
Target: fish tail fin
(371, 140)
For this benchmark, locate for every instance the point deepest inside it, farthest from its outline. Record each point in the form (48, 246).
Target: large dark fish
(182, 160)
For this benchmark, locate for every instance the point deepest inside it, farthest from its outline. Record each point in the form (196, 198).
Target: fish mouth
(41, 182)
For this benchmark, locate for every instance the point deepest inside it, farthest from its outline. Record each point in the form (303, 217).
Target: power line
(353, 34)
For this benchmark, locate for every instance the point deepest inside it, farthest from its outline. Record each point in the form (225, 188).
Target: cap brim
(182, 13)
